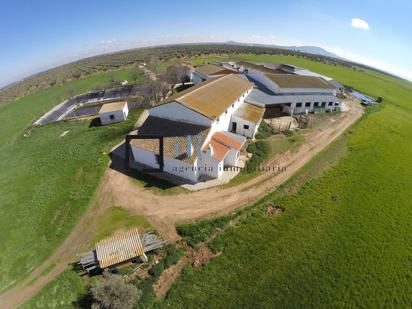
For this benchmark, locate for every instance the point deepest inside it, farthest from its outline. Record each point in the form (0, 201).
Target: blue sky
(35, 35)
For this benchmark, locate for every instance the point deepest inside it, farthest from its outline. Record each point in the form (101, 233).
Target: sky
(40, 34)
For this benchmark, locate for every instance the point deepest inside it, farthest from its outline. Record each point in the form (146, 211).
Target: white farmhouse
(113, 112)
(196, 125)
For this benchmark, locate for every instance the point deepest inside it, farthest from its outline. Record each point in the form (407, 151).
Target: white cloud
(359, 23)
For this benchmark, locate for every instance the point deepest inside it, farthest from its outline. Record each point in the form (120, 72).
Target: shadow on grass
(84, 302)
(95, 122)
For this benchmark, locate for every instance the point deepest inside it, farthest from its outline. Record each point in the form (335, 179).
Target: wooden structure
(120, 248)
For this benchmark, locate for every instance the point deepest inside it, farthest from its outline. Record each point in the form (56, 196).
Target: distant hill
(315, 50)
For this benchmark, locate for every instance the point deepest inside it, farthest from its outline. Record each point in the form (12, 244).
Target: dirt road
(164, 211)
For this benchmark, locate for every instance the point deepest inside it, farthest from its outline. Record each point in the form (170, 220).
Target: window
(225, 111)
(246, 127)
(217, 120)
(316, 104)
(233, 105)
(323, 104)
(299, 104)
(307, 104)
(330, 103)
(336, 103)
(111, 117)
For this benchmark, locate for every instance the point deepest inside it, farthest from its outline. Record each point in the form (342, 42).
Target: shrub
(173, 255)
(201, 231)
(157, 269)
(113, 292)
(264, 131)
(260, 150)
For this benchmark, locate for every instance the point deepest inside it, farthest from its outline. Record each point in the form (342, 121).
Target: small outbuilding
(246, 120)
(113, 112)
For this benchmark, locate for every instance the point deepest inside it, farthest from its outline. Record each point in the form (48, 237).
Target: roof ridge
(221, 143)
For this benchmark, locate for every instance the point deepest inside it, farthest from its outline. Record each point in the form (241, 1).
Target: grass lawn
(63, 292)
(344, 240)
(46, 183)
(114, 219)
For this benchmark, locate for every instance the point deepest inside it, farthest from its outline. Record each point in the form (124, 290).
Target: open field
(48, 180)
(344, 239)
(64, 292)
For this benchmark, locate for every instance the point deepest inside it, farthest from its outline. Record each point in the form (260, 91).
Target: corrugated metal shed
(119, 248)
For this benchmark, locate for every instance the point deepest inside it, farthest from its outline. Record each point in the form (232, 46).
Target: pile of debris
(303, 120)
(273, 210)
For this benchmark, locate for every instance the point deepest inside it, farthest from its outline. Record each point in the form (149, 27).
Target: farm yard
(341, 236)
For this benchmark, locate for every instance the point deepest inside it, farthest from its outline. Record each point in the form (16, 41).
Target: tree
(158, 90)
(134, 74)
(176, 73)
(114, 293)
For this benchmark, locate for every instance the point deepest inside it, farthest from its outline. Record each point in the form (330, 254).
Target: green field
(344, 240)
(46, 183)
(16, 116)
(116, 218)
(65, 291)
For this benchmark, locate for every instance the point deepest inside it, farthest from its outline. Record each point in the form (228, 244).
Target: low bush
(173, 255)
(201, 231)
(260, 151)
(264, 131)
(157, 269)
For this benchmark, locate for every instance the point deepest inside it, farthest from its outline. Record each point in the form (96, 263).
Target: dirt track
(164, 211)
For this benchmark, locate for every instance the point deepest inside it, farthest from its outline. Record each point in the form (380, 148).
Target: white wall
(329, 105)
(119, 116)
(232, 157)
(144, 156)
(210, 166)
(181, 169)
(250, 132)
(177, 112)
(224, 122)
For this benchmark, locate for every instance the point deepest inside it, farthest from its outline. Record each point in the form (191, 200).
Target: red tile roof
(226, 140)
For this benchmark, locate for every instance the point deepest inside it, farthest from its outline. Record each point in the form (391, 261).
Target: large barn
(289, 89)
